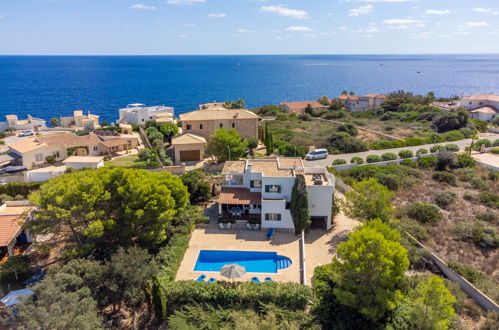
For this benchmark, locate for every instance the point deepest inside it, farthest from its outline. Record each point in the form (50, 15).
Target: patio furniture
(270, 233)
(201, 278)
(257, 226)
(212, 280)
(221, 225)
(268, 279)
(248, 226)
(228, 225)
(255, 280)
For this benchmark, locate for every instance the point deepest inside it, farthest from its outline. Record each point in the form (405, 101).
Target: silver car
(317, 154)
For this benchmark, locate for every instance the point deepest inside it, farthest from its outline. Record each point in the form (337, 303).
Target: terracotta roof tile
(188, 138)
(218, 115)
(9, 228)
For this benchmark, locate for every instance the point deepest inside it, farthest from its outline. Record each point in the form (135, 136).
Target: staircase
(283, 262)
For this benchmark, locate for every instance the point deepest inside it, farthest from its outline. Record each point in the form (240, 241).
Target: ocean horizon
(49, 86)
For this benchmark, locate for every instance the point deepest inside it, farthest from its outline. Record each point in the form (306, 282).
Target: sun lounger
(248, 226)
(228, 225)
(212, 280)
(268, 279)
(270, 233)
(255, 280)
(201, 278)
(221, 225)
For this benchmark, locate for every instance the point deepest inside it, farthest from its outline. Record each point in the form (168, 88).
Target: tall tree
(299, 205)
(109, 206)
(226, 144)
(368, 200)
(54, 122)
(367, 269)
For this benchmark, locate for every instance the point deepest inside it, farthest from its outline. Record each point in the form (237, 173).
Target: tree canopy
(111, 206)
(225, 144)
(299, 205)
(237, 104)
(451, 120)
(197, 184)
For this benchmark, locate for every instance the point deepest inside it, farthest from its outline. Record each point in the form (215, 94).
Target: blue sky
(248, 26)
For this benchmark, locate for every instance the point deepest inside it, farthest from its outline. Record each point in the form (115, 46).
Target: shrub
(392, 176)
(495, 151)
(468, 196)
(414, 228)
(444, 177)
(145, 154)
(384, 144)
(467, 131)
(424, 213)
(21, 188)
(427, 162)
(481, 235)
(477, 183)
(348, 128)
(486, 216)
(452, 147)
(339, 161)
(389, 156)
(468, 272)
(496, 142)
(197, 185)
(406, 154)
(357, 160)
(436, 148)
(346, 143)
(465, 161)
(480, 125)
(409, 162)
(493, 175)
(489, 199)
(452, 136)
(478, 144)
(373, 159)
(444, 199)
(421, 151)
(445, 159)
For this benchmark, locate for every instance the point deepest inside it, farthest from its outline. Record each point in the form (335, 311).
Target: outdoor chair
(212, 280)
(270, 233)
(221, 225)
(268, 279)
(255, 280)
(201, 278)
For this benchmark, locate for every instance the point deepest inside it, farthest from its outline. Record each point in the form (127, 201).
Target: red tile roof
(379, 96)
(349, 97)
(241, 196)
(9, 228)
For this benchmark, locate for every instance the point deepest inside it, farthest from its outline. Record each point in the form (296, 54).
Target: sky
(171, 27)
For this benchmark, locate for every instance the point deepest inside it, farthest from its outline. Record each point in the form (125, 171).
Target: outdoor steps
(283, 263)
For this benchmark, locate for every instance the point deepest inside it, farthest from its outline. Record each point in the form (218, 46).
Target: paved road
(329, 161)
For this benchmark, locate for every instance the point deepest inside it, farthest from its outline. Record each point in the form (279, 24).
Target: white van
(317, 154)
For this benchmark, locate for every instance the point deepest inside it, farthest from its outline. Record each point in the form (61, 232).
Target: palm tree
(470, 148)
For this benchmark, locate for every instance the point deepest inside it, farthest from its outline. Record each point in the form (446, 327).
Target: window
(200, 126)
(95, 148)
(273, 216)
(39, 157)
(480, 103)
(189, 127)
(272, 188)
(469, 103)
(256, 183)
(256, 206)
(56, 154)
(233, 125)
(142, 119)
(221, 125)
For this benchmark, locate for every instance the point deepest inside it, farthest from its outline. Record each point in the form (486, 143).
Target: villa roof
(234, 167)
(83, 159)
(486, 109)
(69, 140)
(272, 167)
(302, 105)
(220, 114)
(240, 196)
(115, 142)
(9, 228)
(188, 138)
(379, 96)
(11, 117)
(488, 97)
(348, 97)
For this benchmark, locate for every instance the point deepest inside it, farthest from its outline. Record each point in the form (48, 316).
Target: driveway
(329, 161)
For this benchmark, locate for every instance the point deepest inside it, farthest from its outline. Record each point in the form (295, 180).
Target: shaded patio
(239, 203)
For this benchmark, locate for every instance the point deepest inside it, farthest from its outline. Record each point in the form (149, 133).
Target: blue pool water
(254, 262)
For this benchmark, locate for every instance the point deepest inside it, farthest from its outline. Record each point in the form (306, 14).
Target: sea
(51, 86)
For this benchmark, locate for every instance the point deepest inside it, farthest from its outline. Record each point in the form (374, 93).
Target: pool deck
(211, 237)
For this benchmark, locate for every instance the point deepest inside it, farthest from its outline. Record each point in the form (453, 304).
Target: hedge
(405, 154)
(339, 161)
(357, 160)
(373, 159)
(226, 295)
(389, 156)
(19, 188)
(424, 213)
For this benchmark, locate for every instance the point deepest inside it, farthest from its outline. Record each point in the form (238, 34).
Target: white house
(262, 188)
(481, 106)
(138, 113)
(31, 123)
(354, 103)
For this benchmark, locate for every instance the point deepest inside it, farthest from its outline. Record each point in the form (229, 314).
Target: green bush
(427, 162)
(452, 136)
(444, 177)
(468, 272)
(346, 143)
(477, 232)
(422, 151)
(409, 163)
(406, 154)
(385, 144)
(452, 147)
(414, 228)
(348, 128)
(373, 159)
(389, 156)
(436, 148)
(357, 160)
(487, 216)
(465, 161)
(468, 196)
(480, 125)
(495, 151)
(392, 176)
(339, 161)
(444, 199)
(198, 185)
(478, 144)
(489, 199)
(424, 213)
(495, 143)
(19, 188)
(467, 132)
(477, 183)
(446, 160)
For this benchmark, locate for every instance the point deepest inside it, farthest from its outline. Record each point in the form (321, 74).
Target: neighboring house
(299, 107)
(44, 173)
(75, 162)
(79, 162)
(126, 129)
(79, 121)
(31, 123)
(205, 122)
(35, 150)
(14, 240)
(138, 113)
(486, 113)
(262, 188)
(354, 103)
(188, 147)
(478, 100)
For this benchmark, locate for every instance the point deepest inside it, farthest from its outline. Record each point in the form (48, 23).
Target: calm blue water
(254, 262)
(47, 86)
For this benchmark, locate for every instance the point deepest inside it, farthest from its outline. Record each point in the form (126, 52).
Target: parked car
(317, 154)
(26, 133)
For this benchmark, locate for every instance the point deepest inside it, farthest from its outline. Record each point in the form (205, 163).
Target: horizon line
(262, 54)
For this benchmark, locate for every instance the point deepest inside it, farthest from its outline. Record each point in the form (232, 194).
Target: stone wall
(247, 128)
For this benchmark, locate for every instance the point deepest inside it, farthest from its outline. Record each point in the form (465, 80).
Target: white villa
(481, 106)
(261, 188)
(138, 113)
(31, 123)
(354, 103)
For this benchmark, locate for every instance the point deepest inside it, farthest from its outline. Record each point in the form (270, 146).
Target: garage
(318, 223)
(190, 155)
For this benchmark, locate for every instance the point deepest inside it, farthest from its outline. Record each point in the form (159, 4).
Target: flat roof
(83, 159)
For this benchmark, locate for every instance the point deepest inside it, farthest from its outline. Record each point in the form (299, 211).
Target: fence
(481, 298)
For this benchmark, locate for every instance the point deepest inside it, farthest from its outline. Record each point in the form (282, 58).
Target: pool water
(254, 262)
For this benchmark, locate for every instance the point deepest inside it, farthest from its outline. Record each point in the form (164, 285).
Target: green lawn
(128, 161)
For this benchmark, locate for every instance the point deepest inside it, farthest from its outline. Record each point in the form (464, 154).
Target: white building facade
(138, 114)
(263, 188)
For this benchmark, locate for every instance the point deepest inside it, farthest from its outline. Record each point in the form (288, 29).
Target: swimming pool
(254, 262)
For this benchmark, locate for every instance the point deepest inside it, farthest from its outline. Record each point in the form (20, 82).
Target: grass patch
(128, 161)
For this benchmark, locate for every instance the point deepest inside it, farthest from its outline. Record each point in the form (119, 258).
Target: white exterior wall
(38, 176)
(79, 166)
(276, 206)
(320, 200)
(286, 184)
(483, 116)
(355, 106)
(140, 115)
(472, 104)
